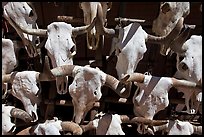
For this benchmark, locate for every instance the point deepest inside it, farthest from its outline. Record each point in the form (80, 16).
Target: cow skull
(85, 89)
(106, 124)
(90, 10)
(153, 93)
(52, 127)
(130, 45)
(60, 45)
(189, 66)
(23, 13)
(169, 15)
(8, 127)
(177, 127)
(25, 88)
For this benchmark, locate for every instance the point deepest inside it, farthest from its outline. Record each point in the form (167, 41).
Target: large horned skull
(23, 13)
(85, 89)
(90, 10)
(60, 45)
(25, 88)
(131, 46)
(169, 15)
(8, 127)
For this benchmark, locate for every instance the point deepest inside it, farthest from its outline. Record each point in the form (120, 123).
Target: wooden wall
(152, 61)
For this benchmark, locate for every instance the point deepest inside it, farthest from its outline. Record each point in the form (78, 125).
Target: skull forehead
(89, 73)
(165, 22)
(180, 6)
(155, 90)
(90, 10)
(59, 38)
(26, 75)
(87, 5)
(18, 8)
(180, 127)
(134, 29)
(49, 128)
(19, 12)
(193, 45)
(87, 78)
(87, 81)
(6, 109)
(25, 81)
(132, 44)
(59, 27)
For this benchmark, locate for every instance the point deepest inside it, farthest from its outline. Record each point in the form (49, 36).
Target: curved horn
(177, 44)
(115, 85)
(185, 83)
(100, 24)
(124, 118)
(197, 129)
(63, 70)
(6, 78)
(28, 131)
(135, 77)
(168, 38)
(24, 131)
(21, 114)
(161, 128)
(46, 75)
(89, 126)
(83, 29)
(71, 126)
(149, 122)
(38, 32)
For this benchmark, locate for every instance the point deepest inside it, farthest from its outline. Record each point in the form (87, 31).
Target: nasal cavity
(37, 41)
(34, 116)
(73, 50)
(31, 13)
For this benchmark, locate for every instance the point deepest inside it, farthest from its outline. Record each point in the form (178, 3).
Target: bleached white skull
(189, 67)
(8, 127)
(61, 49)
(52, 127)
(152, 95)
(130, 46)
(177, 127)
(108, 124)
(23, 13)
(60, 45)
(169, 14)
(85, 89)
(90, 10)
(9, 61)
(25, 88)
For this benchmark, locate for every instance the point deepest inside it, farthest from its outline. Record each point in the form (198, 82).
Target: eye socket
(80, 5)
(31, 14)
(181, 58)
